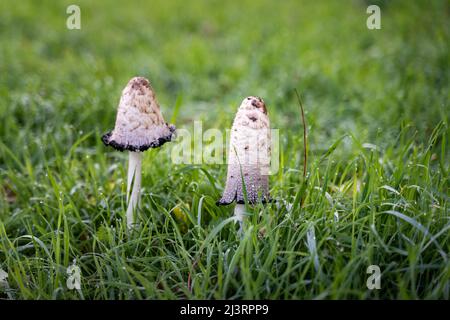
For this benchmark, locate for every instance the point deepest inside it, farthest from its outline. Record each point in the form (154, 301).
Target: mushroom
(249, 157)
(139, 126)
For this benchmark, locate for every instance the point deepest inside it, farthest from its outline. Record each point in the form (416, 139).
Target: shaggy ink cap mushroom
(139, 126)
(249, 155)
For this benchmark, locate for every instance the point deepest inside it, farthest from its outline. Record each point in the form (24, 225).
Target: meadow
(376, 190)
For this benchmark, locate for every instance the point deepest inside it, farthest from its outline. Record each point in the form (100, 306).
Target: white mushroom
(249, 157)
(139, 126)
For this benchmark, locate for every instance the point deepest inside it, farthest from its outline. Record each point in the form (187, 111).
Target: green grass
(377, 189)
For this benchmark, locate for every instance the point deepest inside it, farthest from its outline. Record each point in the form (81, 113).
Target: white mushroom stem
(134, 178)
(239, 212)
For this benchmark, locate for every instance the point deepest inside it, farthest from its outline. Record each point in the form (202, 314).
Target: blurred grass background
(59, 90)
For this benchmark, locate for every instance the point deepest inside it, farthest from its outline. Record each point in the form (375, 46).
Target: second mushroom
(249, 157)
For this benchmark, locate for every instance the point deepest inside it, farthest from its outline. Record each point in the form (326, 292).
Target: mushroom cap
(249, 155)
(253, 102)
(256, 185)
(139, 122)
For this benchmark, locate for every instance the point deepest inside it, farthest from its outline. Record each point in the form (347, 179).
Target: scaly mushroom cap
(249, 154)
(139, 123)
